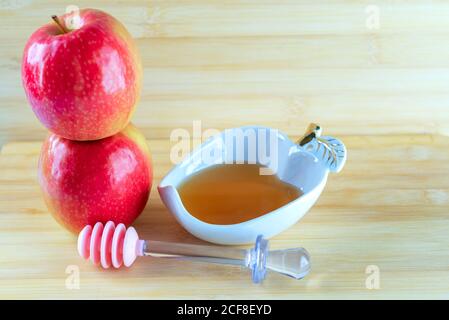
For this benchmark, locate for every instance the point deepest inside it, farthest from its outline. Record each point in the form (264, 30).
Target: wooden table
(387, 212)
(375, 74)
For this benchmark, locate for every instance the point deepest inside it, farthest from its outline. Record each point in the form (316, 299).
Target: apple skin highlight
(84, 182)
(84, 84)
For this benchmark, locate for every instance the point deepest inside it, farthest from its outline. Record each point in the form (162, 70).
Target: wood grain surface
(388, 208)
(275, 63)
(382, 88)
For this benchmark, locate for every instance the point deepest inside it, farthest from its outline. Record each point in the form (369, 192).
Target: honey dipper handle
(294, 262)
(291, 262)
(214, 254)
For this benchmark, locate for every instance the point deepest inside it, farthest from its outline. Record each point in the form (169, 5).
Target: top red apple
(82, 84)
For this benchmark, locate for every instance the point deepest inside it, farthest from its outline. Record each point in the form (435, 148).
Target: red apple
(82, 84)
(85, 182)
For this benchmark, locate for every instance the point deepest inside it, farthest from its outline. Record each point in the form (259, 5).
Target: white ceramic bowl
(305, 167)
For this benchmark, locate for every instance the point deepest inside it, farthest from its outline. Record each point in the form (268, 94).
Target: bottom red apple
(85, 182)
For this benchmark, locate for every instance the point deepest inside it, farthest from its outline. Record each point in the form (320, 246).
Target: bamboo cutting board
(381, 87)
(380, 230)
(277, 63)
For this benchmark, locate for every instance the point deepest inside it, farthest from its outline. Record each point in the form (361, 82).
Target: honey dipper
(111, 245)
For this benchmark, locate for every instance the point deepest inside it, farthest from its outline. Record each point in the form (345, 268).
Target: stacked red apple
(83, 84)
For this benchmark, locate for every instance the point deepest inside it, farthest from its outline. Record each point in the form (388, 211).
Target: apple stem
(59, 24)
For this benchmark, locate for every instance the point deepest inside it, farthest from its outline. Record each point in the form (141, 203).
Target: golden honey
(234, 193)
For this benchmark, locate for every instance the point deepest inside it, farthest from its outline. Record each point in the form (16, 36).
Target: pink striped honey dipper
(111, 245)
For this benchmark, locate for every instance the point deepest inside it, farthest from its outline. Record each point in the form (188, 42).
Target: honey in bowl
(234, 193)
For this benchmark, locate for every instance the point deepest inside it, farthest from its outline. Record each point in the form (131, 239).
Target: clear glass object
(293, 262)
